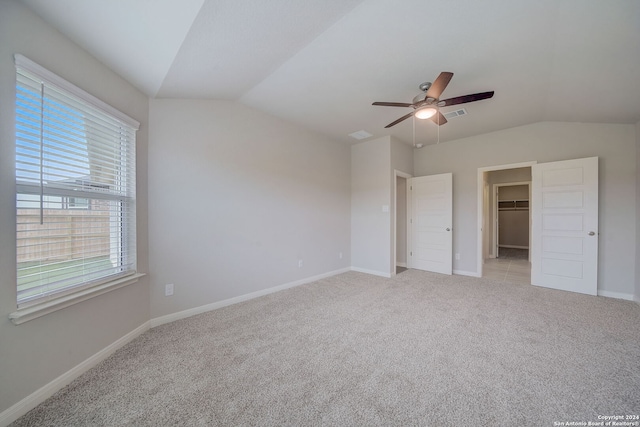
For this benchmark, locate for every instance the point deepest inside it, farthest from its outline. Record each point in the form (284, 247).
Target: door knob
(592, 233)
(448, 229)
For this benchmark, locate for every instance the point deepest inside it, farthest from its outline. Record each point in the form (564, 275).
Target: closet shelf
(513, 205)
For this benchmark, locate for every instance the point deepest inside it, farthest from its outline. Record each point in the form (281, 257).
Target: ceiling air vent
(361, 134)
(457, 113)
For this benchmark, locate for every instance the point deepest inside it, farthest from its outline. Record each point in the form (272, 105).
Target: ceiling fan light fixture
(425, 113)
(427, 105)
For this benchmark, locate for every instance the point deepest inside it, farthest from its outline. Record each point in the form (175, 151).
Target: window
(75, 188)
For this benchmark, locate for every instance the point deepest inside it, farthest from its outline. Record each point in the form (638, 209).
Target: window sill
(23, 315)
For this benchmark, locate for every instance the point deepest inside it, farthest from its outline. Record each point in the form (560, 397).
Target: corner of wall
(370, 194)
(637, 272)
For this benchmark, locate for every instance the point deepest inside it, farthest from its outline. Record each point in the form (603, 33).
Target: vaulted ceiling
(321, 63)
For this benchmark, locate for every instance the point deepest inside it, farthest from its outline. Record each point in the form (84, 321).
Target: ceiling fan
(427, 105)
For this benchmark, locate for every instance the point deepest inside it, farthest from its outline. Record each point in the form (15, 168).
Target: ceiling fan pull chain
(414, 131)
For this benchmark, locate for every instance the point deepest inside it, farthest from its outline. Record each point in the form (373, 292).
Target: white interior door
(564, 250)
(431, 223)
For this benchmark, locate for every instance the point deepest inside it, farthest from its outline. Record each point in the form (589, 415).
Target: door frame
(399, 174)
(480, 199)
(495, 248)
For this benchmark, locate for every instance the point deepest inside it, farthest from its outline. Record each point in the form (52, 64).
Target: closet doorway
(512, 217)
(504, 225)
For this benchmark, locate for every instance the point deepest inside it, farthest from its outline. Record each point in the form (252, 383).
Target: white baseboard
(43, 393)
(513, 246)
(617, 295)
(401, 264)
(466, 273)
(372, 272)
(219, 304)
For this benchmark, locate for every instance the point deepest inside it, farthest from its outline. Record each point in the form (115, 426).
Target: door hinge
(411, 187)
(411, 253)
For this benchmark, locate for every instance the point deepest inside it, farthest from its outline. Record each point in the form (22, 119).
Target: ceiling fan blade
(399, 120)
(439, 85)
(393, 104)
(466, 98)
(439, 119)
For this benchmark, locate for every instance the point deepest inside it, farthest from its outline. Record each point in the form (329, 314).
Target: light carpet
(420, 349)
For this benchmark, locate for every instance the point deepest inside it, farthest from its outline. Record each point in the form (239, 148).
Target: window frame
(32, 307)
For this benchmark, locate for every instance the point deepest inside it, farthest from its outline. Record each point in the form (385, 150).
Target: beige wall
(236, 198)
(373, 187)
(370, 191)
(514, 192)
(546, 142)
(34, 353)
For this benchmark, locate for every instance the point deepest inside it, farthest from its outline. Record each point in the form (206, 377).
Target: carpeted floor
(420, 349)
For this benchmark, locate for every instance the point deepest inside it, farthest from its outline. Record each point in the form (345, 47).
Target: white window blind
(75, 187)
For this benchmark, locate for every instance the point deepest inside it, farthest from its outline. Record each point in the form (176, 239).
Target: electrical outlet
(299, 263)
(458, 256)
(339, 255)
(168, 290)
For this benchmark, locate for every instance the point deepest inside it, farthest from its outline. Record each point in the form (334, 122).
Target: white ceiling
(321, 63)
